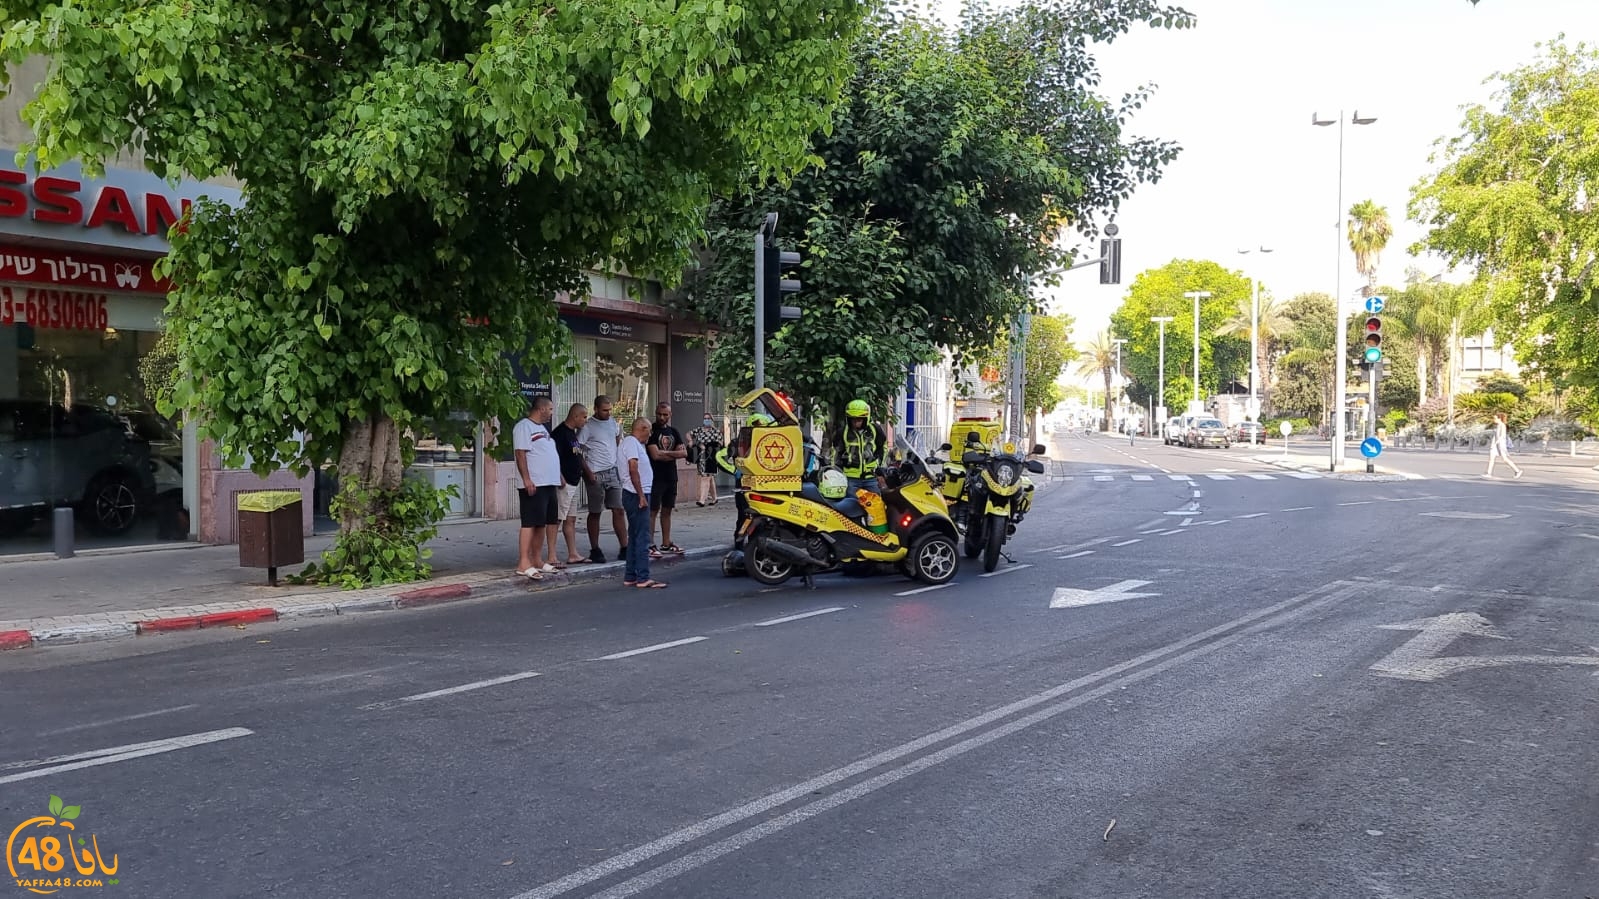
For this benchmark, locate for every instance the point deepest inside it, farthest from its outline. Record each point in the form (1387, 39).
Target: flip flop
(650, 585)
(532, 574)
(577, 561)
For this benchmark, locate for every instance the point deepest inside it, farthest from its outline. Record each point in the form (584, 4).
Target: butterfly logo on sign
(129, 275)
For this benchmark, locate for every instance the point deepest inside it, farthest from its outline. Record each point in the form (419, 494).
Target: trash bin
(270, 531)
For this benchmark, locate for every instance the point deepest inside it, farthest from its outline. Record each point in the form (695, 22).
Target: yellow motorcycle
(803, 526)
(990, 495)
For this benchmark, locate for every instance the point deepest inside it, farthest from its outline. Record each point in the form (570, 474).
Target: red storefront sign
(56, 201)
(40, 266)
(64, 309)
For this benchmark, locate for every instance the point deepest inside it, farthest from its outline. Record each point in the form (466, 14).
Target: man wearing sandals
(633, 459)
(540, 467)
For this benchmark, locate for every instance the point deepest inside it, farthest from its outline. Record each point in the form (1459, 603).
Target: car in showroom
(1203, 432)
(102, 464)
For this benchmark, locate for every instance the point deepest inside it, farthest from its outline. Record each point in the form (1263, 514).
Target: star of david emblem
(773, 453)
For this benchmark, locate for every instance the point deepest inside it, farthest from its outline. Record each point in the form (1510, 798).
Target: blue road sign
(1374, 304)
(1371, 447)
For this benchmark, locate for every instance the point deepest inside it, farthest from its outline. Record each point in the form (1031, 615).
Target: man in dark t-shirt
(566, 443)
(666, 447)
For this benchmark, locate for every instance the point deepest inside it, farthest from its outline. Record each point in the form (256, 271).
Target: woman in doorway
(706, 440)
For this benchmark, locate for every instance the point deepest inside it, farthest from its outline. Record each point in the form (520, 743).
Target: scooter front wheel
(996, 539)
(934, 558)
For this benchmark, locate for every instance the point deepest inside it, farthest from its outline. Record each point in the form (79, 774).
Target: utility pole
(1163, 321)
(1119, 385)
(1196, 296)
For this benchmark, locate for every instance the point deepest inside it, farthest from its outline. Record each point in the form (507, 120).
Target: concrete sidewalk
(114, 595)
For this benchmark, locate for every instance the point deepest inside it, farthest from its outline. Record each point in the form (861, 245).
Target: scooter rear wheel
(761, 566)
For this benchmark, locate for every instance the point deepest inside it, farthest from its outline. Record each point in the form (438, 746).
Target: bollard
(61, 529)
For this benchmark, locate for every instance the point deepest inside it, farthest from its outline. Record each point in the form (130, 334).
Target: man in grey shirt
(596, 442)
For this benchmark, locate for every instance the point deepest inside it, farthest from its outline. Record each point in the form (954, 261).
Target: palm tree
(1273, 326)
(1369, 231)
(1435, 315)
(1099, 357)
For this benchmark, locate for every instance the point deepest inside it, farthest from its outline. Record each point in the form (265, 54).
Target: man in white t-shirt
(540, 467)
(638, 478)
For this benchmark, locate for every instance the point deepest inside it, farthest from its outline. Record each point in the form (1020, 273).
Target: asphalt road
(1221, 705)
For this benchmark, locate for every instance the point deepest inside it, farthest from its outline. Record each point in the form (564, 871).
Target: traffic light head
(1373, 338)
(774, 287)
(1110, 259)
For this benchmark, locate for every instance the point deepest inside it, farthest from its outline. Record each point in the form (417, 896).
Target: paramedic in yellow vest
(860, 447)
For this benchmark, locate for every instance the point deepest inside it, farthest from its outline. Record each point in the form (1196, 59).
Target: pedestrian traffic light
(1373, 338)
(1110, 259)
(772, 286)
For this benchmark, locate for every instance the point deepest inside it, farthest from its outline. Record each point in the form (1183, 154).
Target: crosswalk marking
(1179, 477)
(1303, 475)
(1103, 477)
(1219, 477)
(1142, 477)
(1261, 477)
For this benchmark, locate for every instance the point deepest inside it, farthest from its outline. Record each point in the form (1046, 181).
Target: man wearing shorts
(540, 467)
(665, 448)
(597, 441)
(565, 435)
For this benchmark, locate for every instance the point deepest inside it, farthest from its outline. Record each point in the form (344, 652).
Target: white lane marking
(1187, 522)
(1219, 477)
(1128, 542)
(63, 763)
(1364, 502)
(1453, 477)
(1068, 547)
(1253, 515)
(1143, 477)
(125, 718)
(451, 691)
(1590, 536)
(1007, 569)
(1171, 532)
(925, 589)
(1303, 475)
(1180, 477)
(1150, 531)
(1067, 477)
(787, 618)
(1070, 597)
(1184, 512)
(1198, 494)
(1216, 521)
(643, 649)
(1103, 477)
(1116, 678)
(1164, 470)
(1298, 509)
(1260, 477)
(1077, 555)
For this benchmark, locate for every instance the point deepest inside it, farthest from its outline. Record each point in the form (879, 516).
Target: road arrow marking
(1418, 659)
(1068, 597)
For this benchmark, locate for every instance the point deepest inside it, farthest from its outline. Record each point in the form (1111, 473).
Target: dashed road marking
(925, 589)
(63, 763)
(1077, 555)
(803, 615)
(1253, 515)
(1128, 542)
(451, 691)
(1007, 570)
(1364, 502)
(1298, 509)
(644, 649)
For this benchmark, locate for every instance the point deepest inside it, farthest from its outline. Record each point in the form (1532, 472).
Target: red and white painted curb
(47, 632)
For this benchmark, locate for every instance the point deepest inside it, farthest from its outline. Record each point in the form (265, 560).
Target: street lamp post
(1340, 364)
(1254, 341)
(1162, 320)
(1196, 296)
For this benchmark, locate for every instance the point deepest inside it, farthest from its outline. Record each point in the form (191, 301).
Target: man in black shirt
(665, 448)
(566, 443)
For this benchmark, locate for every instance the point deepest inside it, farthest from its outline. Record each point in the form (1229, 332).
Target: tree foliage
(1049, 351)
(1097, 358)
(1515, 197)
(421, 180)
(1223, 358)
(1369, 231)
(941, 186)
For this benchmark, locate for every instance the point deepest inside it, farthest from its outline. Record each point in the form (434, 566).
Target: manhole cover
(1468, 516)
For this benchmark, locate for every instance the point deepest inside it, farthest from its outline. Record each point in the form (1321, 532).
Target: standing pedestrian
(1500, 448)
(635, 459)
(706, 440)
(598, 440)
(540, 467)
(565, 436)
(665, 449)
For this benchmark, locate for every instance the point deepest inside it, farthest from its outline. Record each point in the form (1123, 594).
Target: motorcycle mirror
(945, 448)
(1039, 449)
(1035, 466)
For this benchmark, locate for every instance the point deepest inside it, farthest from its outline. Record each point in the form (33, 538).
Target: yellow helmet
(857, 409)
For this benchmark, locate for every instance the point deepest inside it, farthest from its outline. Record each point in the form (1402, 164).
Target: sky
(1238, 93)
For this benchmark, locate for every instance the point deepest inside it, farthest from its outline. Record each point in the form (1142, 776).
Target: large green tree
(421, 180)
(1223, 358)
(1048, 351)
(932, 214)
(1515, 197)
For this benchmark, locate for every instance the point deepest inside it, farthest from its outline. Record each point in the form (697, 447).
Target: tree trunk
(1108, 406)
(370, 460)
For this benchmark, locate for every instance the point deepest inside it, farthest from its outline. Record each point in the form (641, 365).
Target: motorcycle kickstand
(810, 580)
(1007, 557)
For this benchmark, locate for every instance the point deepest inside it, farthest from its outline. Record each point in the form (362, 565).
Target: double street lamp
(1196, 296)
(1163, 321)
(1340, 374)
(1254, 339)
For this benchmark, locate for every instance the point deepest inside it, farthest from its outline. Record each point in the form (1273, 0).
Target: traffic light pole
(761, 237)
(1371, 409)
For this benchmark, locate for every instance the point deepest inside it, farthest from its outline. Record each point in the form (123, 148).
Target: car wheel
(934, 559)
(110, 506)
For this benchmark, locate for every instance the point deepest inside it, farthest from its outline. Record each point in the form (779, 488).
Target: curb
(1378, 471)
(419, 597)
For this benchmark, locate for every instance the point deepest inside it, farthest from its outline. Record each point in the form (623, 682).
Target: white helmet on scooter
(833, 484)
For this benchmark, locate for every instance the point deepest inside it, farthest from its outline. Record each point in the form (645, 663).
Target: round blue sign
(1375, 305)
(1371, 447)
